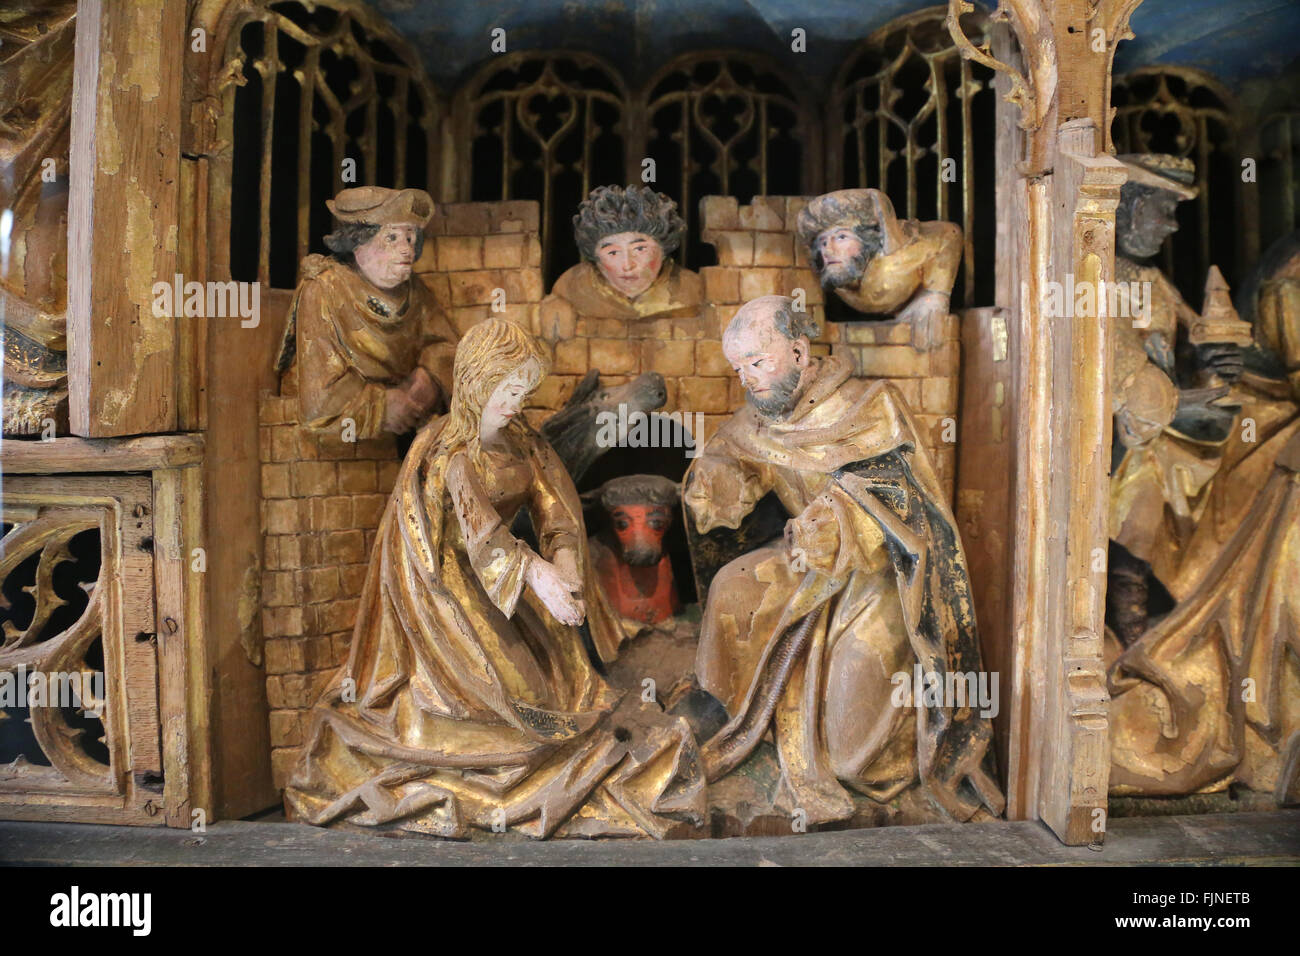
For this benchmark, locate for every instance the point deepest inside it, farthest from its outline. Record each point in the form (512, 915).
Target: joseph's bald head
(770, 314)
(767, 344)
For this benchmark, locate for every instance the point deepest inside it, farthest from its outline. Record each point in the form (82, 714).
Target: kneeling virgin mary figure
(468, 699)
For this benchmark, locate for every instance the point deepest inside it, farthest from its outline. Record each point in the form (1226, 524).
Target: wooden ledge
(79, 455)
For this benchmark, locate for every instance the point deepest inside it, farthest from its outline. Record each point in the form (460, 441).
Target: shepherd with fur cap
(626, 237)
(878, 264)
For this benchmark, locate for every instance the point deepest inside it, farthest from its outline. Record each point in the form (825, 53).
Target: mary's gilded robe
(464, 703)
(871, 552)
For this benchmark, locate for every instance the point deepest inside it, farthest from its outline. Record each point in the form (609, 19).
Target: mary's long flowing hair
(488, 354)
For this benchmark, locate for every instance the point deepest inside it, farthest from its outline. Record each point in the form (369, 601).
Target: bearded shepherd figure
(880, 265)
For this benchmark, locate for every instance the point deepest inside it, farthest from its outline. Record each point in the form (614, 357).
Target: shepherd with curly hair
(626, 237)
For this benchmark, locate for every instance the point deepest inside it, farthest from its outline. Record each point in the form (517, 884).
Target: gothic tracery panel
(910, 116)
(78, 666)
(325, 95)
(727, 124)
(544, 126)
(1187, 112)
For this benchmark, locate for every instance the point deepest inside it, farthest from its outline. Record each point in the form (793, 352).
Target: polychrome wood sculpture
(627, 238)
(633, 569)
(290, 594)
(468, 699)
(1206, 696)
(1168, 436)
(373, 349)
(804, 635)
(877, 264)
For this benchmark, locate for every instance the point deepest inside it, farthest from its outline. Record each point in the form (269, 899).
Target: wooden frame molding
(123, 208)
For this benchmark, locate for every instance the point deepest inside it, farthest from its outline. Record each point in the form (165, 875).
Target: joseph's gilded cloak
(872, 550)
(354, 341)
(464, 703)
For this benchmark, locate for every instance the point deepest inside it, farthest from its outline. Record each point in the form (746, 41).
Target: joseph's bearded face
(839, 256)
(387, 257)
(769, 365)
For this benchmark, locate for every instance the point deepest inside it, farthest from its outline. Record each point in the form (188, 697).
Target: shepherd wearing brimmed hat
(1168, 438)
(878, 264)
(372, 346)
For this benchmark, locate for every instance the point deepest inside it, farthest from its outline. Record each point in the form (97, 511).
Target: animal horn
(583, 390)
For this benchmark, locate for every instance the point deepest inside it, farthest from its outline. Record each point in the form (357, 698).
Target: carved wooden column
(1073, 756)
(1056, 203)
(122, 216)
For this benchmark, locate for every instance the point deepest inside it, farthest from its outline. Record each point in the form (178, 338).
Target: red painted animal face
(640, 531)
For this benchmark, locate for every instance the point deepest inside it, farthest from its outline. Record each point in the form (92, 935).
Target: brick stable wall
(759, 254)
(686, 351)
(322, 498)
(473, 248)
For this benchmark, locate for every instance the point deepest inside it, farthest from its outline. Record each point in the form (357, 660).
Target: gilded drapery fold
(873, 567)
(1207, 695)
(451, 713)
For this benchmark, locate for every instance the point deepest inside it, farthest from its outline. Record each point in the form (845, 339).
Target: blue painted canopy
(1234, 39)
